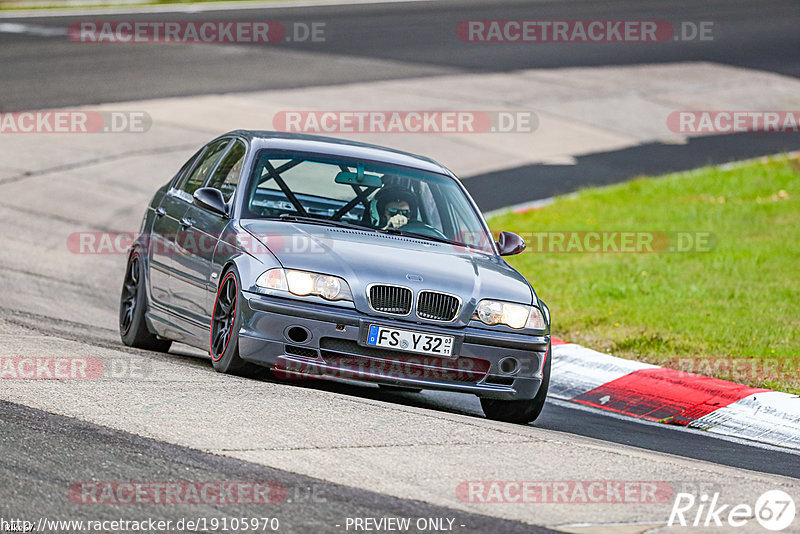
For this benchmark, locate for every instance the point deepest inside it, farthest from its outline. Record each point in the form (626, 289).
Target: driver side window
(226, 177)
(197, 177)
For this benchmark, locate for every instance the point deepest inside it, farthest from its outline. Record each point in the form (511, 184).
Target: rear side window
(181, 175)
(198, 176)
(226, 177)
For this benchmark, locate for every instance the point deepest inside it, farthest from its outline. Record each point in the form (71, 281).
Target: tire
(520, 411)
(226, 320)
(132, 308)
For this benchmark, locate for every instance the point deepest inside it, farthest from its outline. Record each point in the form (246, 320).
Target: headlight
(300, 283)
(328, 287)
(516, 316)
(303, 284)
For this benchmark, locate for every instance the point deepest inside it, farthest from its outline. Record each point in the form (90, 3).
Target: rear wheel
(520, 411)
(226, 320)
(132, 307)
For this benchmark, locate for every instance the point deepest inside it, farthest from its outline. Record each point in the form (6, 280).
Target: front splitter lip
(284, 364)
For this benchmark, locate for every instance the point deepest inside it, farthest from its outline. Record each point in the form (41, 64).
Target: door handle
(186, 222)
(160, 212)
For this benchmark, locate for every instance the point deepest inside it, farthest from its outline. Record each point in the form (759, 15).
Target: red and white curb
(668, 396)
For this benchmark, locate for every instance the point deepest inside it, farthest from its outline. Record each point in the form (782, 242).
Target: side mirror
(510, 243)
(210, 199)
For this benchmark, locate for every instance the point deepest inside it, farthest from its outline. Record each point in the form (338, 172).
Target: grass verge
(732, 312)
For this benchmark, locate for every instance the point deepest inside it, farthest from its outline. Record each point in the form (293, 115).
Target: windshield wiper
(345, 224)
(415, 235)
(320, 221)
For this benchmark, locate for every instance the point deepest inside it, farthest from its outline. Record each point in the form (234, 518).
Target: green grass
(737, 305)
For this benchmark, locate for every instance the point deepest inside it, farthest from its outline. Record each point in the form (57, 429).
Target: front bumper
(335, 350)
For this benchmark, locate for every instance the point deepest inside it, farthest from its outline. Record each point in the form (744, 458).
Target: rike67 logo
(774, 510)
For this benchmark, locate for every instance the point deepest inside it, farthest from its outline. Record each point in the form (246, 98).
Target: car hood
(365, 257)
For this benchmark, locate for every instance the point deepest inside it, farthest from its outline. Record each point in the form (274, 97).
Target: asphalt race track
(394, 41)
(339, 450)
(375, 42)
(43, 441)
(604, 168)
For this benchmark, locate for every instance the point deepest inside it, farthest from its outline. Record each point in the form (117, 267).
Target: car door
(176, 204)
(201, 228)
(163, 233)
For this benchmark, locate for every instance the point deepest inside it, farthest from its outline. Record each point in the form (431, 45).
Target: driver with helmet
(394, 207)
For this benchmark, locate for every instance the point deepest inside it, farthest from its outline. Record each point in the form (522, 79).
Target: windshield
(371, 195)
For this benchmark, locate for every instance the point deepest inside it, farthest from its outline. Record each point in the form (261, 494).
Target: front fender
(238, 247)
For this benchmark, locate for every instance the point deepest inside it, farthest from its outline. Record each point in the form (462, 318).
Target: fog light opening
(298, 334)
(509, 365)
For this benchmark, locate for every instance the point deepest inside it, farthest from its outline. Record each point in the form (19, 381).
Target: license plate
(405, 340)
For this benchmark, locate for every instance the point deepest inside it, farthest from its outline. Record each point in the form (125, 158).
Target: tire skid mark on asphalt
(47, 277)
(96, 161)
(57, 328)
(7, 313)
(59, 218)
